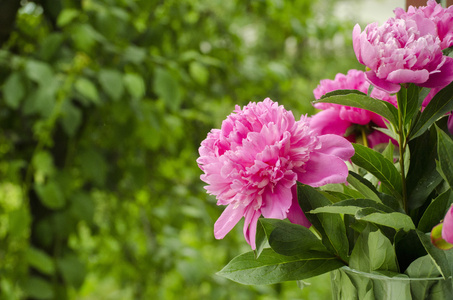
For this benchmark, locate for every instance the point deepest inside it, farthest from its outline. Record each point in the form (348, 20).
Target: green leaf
(38, 288)
(260, 238)
(373, 251)
(50, 195)
(436, 211)
(396, 220)
(292, 239)
(14, 90)
(134, 84)
(379, 166)
(71, 118)
(199, 72)
(408, 102)
(445, 152)
(66, 16)
(39, 71)
(422, 177)
(352, 206)
(40, 260)
(50, 45)
(272, 268)
(437, 107)
(330, 226)
(363, 186)
(360, 100)
(94, 166)
(112, 82)
(43, 163)
(72, 269)
(422, 267)
(87, 89)
(438, 256)
(167, 88)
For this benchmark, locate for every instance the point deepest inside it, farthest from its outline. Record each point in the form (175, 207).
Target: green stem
(402, 150)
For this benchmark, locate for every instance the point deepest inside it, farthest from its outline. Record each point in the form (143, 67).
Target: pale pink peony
(340, 119)
(403, 51)
(447, 228)
(252, 163)
(442, 18)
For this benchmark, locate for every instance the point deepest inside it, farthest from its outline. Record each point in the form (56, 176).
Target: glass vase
(349, 284)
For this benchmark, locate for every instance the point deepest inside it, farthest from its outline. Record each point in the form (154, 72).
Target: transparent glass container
(349, 284)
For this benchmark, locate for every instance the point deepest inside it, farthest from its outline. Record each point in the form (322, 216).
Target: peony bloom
(450, 123)
(252, 163)
(447, 228)
(406, 50)
(442, 18)
(341, 120)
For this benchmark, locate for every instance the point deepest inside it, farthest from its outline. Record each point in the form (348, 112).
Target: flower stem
(402, 150)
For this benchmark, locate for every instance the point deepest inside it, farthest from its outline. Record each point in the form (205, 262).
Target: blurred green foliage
(103, 106)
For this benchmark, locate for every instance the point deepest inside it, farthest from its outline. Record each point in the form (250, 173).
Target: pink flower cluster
(252, 163)
(339, 119)
(441, 17)
(406, 49)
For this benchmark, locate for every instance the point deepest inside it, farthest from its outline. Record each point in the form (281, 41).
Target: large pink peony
(405, 50)
(342, 120)
(447, 228)
(442, 18)
(252, 163)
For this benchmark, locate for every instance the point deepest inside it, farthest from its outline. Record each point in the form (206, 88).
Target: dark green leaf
(436, 211)
(292, 239)
(360, 100)
(39, 71)
(50, 195)
(71, 118)
(330, 226)
(38, 288)
(87, 89)
(72, 269)
(167, 88)
(445, 152)
(437, 107)
(408, 102)
(134, 84)
(271, 267)
(112, 82)
(363, 186)
(439, 256)
(379, 166)
(14, 90)
(40, 260)
(396, 220)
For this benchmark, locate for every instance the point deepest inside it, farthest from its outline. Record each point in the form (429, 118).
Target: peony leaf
(422, 177)
(330, 226)
(408, 102)
(435, 211)
(379, 166)
(352, 207)
(438, 106)
(363, 186)
(396, 220)
(360, 100)
(440, 257)
(292, 239)
(445, 152)
(272, 268)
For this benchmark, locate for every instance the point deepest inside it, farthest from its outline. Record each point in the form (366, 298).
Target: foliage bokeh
(103, 106)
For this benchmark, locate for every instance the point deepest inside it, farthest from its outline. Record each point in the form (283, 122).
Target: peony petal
(356, 42)
(323, 169)
(276, 203)
(329, 122)
(227, 220)
(447, 229)
(336, 145)
(251, 220)
(295, 213)
(382, 84)
(443, 77)
(405, 76)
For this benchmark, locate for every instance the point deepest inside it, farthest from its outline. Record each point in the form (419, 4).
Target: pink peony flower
(447, 228)
(339, 119)
(252, 163)
(405, 50)
(450, 123)
(442, 18)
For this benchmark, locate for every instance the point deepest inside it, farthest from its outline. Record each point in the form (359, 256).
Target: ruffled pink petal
(356, 32)
(336, 145)
(227, 220)
(250, 223)
(329, 122)
(404, 75)
(277, 203)
(382, 84)
(323, 169)
(295, 213)
(443, 77)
